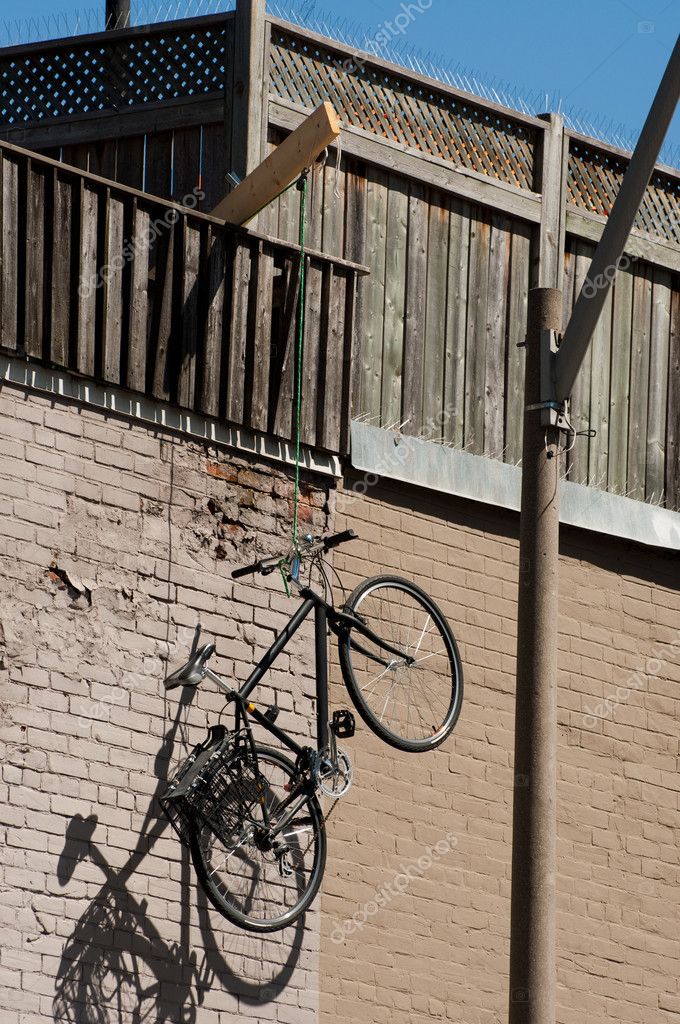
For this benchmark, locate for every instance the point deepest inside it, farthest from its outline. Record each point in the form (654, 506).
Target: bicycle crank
(333, 777)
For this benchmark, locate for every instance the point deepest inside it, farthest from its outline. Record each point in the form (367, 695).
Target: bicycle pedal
(272, 713)
(342, 724)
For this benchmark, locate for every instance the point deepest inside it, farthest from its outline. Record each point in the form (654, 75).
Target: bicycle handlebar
(268, 565)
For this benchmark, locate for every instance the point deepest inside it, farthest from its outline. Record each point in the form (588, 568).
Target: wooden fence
(135, 291)
(457, 206)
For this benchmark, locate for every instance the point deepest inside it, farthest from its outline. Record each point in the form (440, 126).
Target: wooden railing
(139, 292)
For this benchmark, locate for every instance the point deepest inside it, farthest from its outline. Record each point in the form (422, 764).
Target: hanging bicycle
(250, 815)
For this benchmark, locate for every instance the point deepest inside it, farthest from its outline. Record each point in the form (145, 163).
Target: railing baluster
(263, 338)
(9, 251)
(113, 289)
(238, 338)
(35, 260)
(212, 342)
(190, 311)
(139, 299)
(88, 280)
(60, 291)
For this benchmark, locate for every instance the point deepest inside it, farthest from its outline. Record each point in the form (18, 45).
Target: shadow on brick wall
(116, 967)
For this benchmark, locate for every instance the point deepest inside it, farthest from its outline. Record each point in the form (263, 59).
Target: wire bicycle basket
(217, 787)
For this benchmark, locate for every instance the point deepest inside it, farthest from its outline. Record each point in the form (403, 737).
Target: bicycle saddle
(190, 674)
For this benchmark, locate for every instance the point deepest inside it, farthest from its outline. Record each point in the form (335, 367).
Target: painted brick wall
(439, 950)
(114, 540)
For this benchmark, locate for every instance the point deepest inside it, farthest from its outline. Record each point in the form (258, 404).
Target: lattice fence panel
(113, 72)
(595, 178)
(403, 110)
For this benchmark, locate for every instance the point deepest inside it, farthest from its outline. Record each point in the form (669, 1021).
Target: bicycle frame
(324, 614)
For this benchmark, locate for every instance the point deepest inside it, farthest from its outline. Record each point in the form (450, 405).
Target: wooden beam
(281, 167)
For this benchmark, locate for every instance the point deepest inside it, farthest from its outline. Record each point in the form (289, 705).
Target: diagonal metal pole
(610, 249)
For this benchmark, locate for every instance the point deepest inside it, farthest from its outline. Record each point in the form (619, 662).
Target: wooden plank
(299, 150)
(35, 262)
(334, 206)
(639, 381)
(259, 416)
(186, 163)
(130, 162)
(598, 450)
(77, 155)
(238, 334)
(289, 215)
(209, 398)
(580, 396)
(283, 404)
(329, 433)
(139, 300)
(475, 373)
(158, 164)
(314, 227)
(414, 327)
(456, 322)
(102, 158)
(355, 244)
(395, 301)
(434, 357)
(673, 427)
(620, 382)
(61, 285)
(186, 384)
(9, 250)
(310, 359)
(658, 386)
(88, 282)
(162, 317)
(520, 263)
(112, 321)
(496, 319)
(213, 165)
(374, 297)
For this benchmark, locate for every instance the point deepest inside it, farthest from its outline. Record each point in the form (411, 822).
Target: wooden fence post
(248, 86)
(551, 182)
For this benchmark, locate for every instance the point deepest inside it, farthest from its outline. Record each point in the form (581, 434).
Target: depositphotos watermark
(386, 33)
(605, 708)
(591, 288)
(391, 890)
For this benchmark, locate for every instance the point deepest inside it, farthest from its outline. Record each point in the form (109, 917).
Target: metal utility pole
(532, 922)
(550, 374)
(117, 14)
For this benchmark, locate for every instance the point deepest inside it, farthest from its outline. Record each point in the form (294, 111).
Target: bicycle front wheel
(262, 878)
(408, 687)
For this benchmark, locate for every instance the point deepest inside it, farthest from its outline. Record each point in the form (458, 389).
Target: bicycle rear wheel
(260, 880)
(410, 696)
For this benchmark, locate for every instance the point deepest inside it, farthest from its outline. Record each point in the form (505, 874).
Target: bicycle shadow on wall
(117, 968)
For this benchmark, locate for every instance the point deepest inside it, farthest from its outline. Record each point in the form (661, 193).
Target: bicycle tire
(221, 885)
(446, 670)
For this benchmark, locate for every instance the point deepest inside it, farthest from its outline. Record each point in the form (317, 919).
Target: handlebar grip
(246, 570)
(340, 538)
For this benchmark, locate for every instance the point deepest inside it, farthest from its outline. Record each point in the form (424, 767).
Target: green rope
(302, 185)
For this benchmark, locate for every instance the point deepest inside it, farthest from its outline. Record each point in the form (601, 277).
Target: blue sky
(602, 59)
